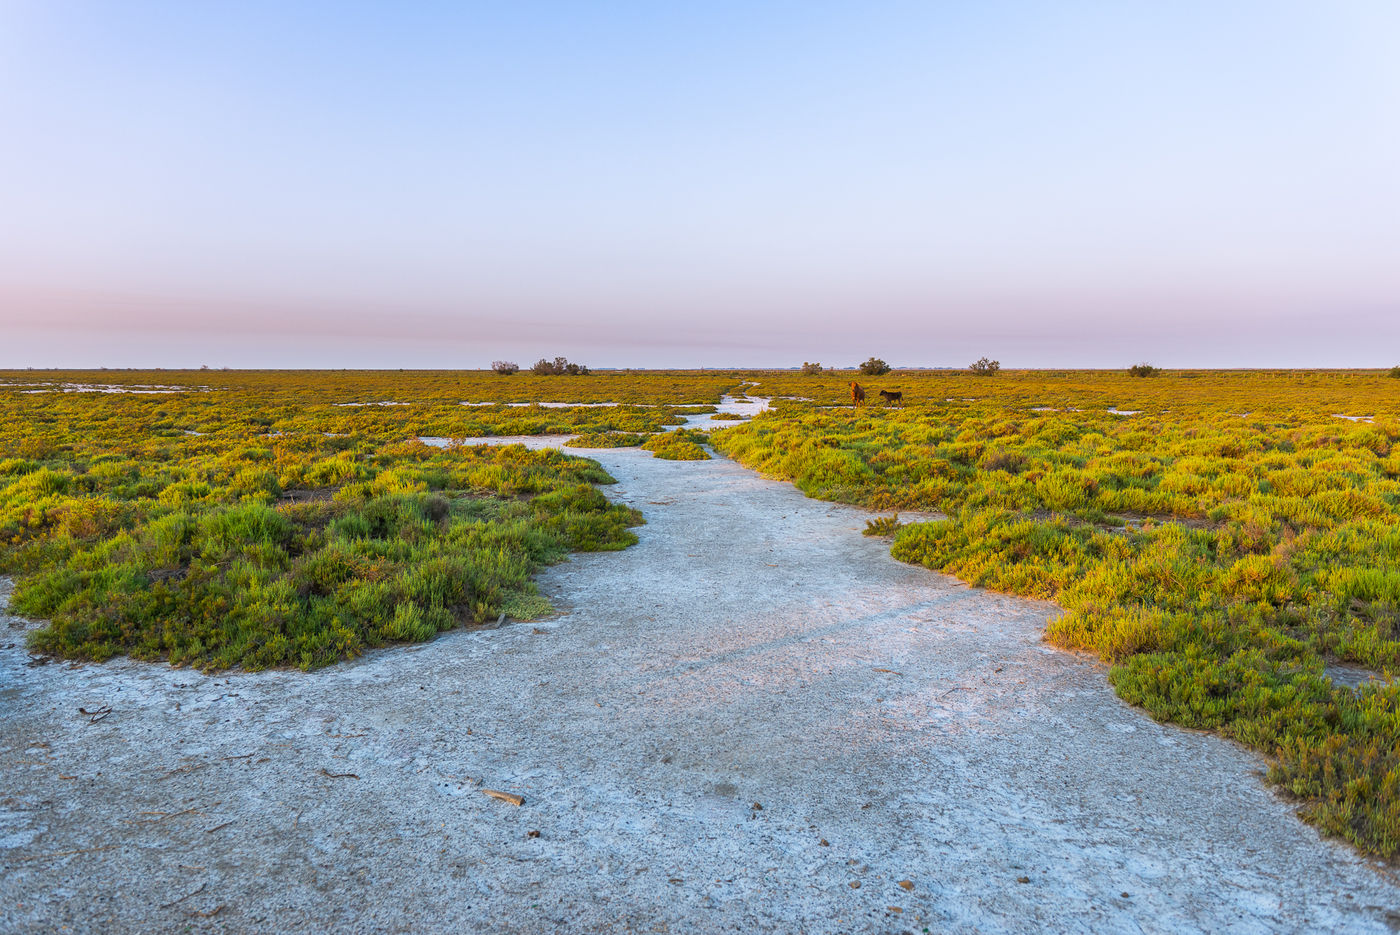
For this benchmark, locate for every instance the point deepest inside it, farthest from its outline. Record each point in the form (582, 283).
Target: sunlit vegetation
(881, 526)
(1219, 538)
(290, 519)
(810, 368)
(606, 440)
(1143, 370)
(680, 445)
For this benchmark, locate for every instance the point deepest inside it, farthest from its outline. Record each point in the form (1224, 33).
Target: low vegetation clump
(881, 526)
(810, 368)
(1143, 370)
(729, 417)
(505, 368)
(1394, 373)
(680, 445)
(874, 367)
(606, 440)
(1220, 546)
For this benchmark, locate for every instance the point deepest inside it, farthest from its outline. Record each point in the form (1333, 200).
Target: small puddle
(135, 388)
(532, 442)
(728, 405)
(551, 405)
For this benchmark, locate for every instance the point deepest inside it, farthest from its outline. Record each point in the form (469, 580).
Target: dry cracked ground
(754, 720)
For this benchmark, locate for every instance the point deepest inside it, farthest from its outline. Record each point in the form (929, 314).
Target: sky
(351, 184)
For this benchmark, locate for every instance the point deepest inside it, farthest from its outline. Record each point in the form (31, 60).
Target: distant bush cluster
(1144, 370)
(985, 367)
(1394, 373)
(874, 367)
(811, 369)
(505, 367)
(558, 367)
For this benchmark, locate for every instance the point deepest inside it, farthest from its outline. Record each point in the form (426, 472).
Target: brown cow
(857, 394)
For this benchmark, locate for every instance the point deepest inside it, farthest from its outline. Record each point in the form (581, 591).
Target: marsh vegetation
(1217, 538)
(1220, 539)
(235, 527)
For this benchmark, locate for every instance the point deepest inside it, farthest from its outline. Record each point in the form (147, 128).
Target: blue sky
(643, 184)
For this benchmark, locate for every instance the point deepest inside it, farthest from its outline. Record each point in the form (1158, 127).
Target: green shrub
(874, 367)
(605, 440)
(680, 445)
(881, 526)
(984, 367)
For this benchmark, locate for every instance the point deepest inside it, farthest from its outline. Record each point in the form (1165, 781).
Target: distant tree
(559, 366)
(1395, 373)
(1144, 370)
(811, 369)
(505, 367)
(985, 367)
(874, 367)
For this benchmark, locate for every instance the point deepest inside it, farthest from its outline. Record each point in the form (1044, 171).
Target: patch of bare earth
(753, 720)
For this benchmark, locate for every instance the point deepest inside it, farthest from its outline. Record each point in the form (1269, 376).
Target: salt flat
(753, 720)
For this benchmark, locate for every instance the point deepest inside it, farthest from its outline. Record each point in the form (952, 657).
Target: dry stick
(97, 715)
(187, 768)
(510, 797)
(163, 817)
(81, 850)
(175, 902)
(338, 775)
(217, 827)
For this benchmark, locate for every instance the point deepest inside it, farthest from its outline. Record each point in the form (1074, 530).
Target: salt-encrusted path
(922, 762)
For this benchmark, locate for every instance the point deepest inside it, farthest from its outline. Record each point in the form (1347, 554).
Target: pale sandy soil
(923, 762)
